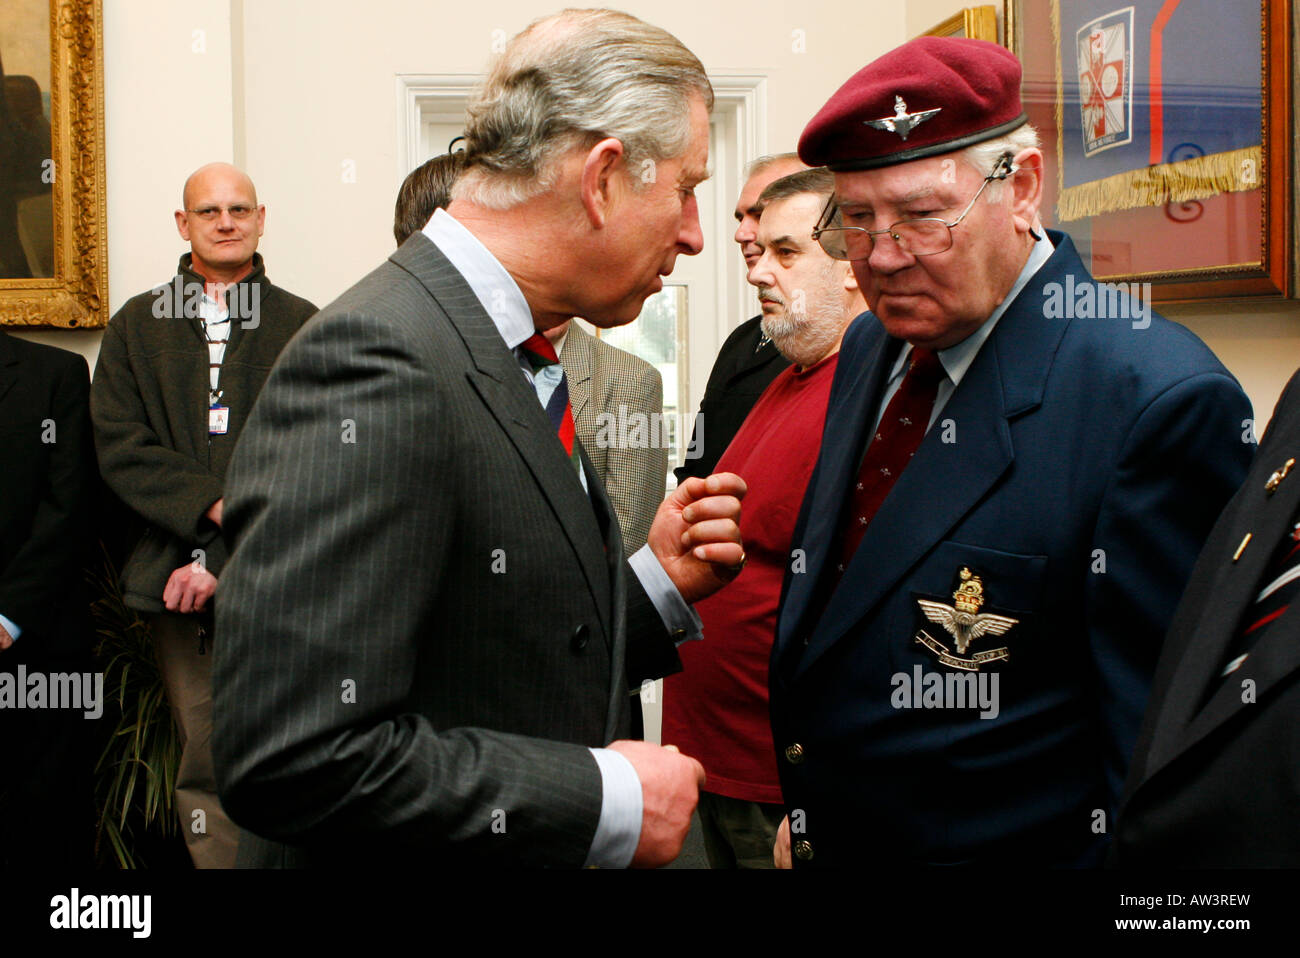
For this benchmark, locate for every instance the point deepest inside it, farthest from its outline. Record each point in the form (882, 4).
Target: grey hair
(982, 156)
(817, 181)
(571, 80)
(771, 159)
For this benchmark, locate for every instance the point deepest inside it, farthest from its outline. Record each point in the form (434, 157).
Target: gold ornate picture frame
(975, 23)
(74, 294)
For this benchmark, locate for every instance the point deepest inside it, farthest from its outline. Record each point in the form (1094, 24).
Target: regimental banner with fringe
(1105, 73)
(1159, 101)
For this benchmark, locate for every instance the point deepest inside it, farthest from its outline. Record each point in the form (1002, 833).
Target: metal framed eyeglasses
(918, 237)
(239, 212)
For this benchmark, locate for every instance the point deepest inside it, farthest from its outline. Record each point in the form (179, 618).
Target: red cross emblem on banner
(1103, 84)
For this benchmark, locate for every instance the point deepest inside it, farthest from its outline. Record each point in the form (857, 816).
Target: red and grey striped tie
(541, 354)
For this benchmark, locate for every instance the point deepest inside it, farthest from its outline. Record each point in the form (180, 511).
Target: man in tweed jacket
(618, 404)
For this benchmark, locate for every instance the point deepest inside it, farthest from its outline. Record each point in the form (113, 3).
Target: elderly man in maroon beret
(1018, 468)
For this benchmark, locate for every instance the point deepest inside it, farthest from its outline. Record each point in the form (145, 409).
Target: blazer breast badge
(964, 621)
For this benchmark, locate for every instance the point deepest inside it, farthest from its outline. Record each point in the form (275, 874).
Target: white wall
(312, 87)
(167, 104)
(339, 96)
(309, 109)
(167, 110)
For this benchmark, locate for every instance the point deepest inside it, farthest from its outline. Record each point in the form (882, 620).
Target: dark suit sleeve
(166, 488)
(740, 374)
(723, 366)
(651, 651)
(344, 521)
(1184, 457)
(35, 579)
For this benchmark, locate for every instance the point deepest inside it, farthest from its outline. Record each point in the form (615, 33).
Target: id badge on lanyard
(218, 416)
(218, 420)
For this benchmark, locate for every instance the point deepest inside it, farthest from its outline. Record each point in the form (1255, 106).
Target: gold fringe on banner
(1195, 179)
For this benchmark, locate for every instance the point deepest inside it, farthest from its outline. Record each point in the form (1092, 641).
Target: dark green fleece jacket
(149, 403)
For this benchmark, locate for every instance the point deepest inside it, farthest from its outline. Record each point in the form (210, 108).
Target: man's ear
(854, 290)
(599, 181)
(183, 225)
(1026, 188)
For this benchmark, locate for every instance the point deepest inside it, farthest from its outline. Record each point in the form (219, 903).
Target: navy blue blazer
(1076, 470)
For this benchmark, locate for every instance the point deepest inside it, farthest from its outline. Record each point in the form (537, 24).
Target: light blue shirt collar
(496, 290)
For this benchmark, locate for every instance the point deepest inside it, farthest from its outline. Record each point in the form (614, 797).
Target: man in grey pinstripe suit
(432, 630)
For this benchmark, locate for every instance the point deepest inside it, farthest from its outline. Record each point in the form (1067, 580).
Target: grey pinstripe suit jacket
(423, 620)
(605, 379)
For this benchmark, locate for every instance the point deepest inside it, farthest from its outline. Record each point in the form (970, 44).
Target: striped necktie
(1281, 587)
(541, 355)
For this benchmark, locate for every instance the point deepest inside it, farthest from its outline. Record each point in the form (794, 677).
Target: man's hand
(189, 588)
(6, 639)
(781, 850)
(696, 534)
(215, 510)
(670, 787)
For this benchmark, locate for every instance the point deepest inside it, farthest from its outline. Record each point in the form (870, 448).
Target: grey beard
(806, 340)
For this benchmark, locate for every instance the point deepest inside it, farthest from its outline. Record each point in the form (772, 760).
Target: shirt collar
(957, 359)
(495, 289)
(186, 268)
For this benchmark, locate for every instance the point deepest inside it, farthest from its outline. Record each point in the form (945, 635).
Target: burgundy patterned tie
(901, 430)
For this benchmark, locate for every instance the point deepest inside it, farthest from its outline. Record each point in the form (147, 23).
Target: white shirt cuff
(12, 629)
(681, 621)
(619, 828)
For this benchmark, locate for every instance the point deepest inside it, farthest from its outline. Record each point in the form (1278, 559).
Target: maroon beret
(931, 95)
